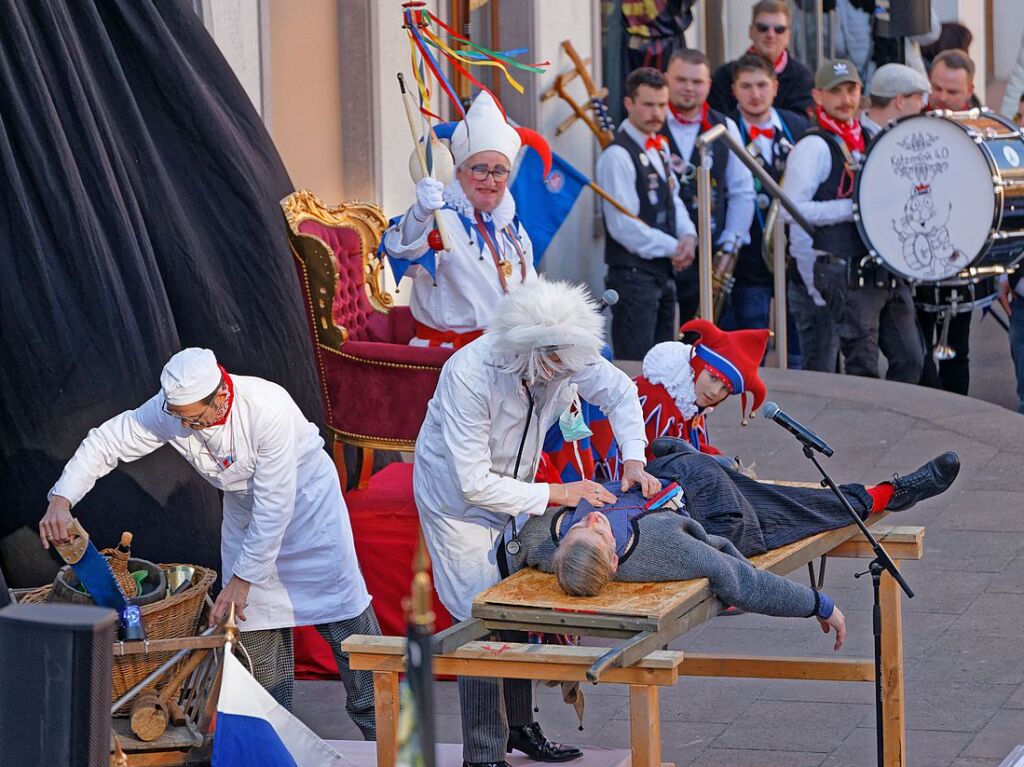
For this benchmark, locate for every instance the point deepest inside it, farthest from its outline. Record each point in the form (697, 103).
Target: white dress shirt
(809, 164)
(617, 175)
(739, 181)
(765, 145)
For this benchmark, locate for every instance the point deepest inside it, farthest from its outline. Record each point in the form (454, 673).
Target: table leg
(385, 701)
(645, 725)
(893, 700)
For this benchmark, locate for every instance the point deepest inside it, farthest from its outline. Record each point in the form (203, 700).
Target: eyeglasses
(197, 421)
(764, 28)
(481, 172)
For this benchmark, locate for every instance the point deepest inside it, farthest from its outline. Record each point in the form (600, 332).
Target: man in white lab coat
(476, 458)
(286, 542)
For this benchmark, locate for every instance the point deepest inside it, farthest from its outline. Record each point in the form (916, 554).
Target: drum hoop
(960, 278)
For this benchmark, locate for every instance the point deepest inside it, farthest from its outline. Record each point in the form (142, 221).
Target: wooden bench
(647, 616)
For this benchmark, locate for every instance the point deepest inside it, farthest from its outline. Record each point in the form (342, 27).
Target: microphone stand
(880, 564)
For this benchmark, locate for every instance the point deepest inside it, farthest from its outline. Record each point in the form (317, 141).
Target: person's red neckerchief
(850, 133)
(703, 121)
(655, 141)
(231, 397)
(768, 132)
(780, 63)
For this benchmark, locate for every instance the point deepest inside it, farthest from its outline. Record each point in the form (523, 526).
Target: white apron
(285, 527)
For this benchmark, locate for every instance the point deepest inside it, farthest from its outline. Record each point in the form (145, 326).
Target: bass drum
(940, 196)
(956, 299)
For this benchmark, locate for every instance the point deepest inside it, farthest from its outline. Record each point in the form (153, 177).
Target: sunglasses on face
(764, 28)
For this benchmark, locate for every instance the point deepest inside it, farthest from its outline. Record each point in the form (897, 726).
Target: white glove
(429, 197)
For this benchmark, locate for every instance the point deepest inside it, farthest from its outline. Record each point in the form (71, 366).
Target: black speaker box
(55, 668)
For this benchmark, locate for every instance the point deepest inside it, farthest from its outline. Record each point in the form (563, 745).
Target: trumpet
(723, 265)
(943, 351)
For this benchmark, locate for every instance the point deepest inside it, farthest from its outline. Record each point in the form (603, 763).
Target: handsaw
(91, 567)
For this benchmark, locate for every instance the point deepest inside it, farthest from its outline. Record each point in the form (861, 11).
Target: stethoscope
(513, 545)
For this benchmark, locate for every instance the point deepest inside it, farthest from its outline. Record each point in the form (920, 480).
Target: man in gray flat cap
(896, 91)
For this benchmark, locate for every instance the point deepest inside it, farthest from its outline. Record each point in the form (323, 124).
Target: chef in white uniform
(491, 253)
(286, 542)
(476, 457)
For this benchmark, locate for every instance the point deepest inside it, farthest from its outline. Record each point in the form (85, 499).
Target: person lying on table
(710, 520)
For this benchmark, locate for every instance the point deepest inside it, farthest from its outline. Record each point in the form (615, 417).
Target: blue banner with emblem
(543, 204)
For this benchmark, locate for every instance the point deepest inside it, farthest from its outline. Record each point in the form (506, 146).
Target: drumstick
(417, 137)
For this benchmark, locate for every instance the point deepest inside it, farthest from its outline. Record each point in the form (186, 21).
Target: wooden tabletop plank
(660, 602)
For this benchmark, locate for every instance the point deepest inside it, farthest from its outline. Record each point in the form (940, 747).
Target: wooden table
(647, 617)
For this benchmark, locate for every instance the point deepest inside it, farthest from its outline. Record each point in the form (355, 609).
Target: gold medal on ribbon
(506, 267)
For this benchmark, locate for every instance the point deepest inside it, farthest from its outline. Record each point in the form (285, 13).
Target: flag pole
(600, 192)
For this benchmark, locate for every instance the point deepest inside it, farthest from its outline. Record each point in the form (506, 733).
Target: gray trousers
(882, 319)
(489, 708)
(272, 652)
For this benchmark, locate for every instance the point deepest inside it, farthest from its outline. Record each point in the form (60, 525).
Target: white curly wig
(547, 328)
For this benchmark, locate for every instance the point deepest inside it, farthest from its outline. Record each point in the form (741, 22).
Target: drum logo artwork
(923, 228)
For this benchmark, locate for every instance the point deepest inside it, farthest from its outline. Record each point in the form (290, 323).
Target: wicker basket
(170, 618)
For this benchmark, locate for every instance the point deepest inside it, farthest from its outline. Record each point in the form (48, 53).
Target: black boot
(531, 741)
(485, 764)
(669, 445)
(931, 479)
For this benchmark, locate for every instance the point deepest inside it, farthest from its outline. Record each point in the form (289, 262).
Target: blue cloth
(543, 204)
(826, 605)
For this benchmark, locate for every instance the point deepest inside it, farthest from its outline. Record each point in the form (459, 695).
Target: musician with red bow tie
(732, 185)
(643, 250)
(769, 134)
(845, 301)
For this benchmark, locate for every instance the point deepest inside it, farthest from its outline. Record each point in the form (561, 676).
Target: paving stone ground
(964, 657)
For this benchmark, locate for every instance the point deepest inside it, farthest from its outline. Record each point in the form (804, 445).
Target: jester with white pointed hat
(456, 288)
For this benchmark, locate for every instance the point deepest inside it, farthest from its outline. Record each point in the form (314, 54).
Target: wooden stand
(647, 616)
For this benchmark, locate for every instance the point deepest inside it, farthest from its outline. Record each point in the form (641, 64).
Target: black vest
(843, 239)
(685, 169)
(656, 210)
(751, 268)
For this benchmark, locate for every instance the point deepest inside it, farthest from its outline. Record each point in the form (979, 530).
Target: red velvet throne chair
(375, 390)
(375, 386)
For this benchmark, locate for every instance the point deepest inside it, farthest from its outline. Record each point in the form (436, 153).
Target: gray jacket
(672, 547)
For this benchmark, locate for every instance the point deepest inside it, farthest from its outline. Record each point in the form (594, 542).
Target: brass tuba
(768, 238)
(723, 264)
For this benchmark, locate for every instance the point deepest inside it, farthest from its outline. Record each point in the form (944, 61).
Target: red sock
(880, 496)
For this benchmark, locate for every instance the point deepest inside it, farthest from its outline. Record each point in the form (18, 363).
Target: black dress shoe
(669, 445)
(531, 741)
(931, 479)
(485, 764)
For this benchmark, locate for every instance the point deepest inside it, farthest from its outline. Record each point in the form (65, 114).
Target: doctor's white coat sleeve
(466, 428)
(125, 437)
(613, 391)
(273, 490)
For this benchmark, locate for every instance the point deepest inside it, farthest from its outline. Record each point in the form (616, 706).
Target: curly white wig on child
(547, 329)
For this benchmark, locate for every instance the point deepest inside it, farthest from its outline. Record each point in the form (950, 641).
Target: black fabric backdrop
(140, 216)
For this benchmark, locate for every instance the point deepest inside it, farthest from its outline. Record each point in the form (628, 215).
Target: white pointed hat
(484, 129)
(190, 376)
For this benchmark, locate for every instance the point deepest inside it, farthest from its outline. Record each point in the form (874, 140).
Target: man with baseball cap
(854, 304)
(286, 542)
(896, 91)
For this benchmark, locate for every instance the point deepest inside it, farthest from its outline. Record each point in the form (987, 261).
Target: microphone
(608, 298)
(797, 429)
